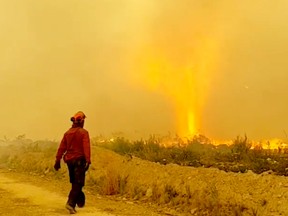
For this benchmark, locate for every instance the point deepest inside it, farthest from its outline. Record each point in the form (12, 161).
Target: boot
(81, 200)
(70, 209)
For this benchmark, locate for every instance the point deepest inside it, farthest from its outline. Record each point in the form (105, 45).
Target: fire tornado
(182, 72)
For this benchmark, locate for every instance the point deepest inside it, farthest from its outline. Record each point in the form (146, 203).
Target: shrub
(241, 146)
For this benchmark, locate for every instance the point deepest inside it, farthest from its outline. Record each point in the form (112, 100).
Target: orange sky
(144, 67)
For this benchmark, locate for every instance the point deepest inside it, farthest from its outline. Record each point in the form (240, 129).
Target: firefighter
(75, 151)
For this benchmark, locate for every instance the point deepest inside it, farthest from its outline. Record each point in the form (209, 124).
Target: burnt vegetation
(199, 152)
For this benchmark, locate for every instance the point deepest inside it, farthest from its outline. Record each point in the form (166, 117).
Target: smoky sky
(59, 57)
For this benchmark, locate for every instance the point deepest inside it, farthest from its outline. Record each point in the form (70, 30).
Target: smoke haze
(58, 57)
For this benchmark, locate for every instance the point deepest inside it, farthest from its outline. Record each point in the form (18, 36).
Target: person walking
(75, 151)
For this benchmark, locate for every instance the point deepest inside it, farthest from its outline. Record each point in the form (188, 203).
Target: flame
(183, 77)
(272, 143)
(191, 123)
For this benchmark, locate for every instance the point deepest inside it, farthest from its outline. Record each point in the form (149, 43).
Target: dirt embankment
(209, 191)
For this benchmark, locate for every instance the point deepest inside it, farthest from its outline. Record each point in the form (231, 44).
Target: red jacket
(75, 144)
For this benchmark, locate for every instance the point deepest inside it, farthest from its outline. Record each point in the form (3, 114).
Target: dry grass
(173, 186)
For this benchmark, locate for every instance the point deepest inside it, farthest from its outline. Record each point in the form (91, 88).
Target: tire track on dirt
(18, 198)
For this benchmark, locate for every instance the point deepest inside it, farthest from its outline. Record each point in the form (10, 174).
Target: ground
(24, 195)
(182, 190)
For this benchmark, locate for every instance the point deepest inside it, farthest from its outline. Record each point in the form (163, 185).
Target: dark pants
(77, 179)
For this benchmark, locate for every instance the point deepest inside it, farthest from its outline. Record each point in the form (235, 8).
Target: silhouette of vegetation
(199, 151)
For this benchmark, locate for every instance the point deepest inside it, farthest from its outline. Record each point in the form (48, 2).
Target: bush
(241, 146)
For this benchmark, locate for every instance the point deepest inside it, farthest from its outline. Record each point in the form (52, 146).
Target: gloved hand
(57, 165)
(87, 166)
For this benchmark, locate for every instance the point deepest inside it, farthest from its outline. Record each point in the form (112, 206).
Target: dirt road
(24, 194)
(23, 199)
